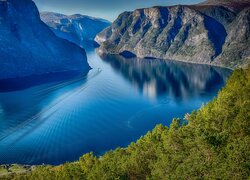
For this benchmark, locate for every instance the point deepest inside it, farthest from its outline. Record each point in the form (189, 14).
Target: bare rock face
(79, 29)
(236, 50)
(233, 5)
(29, 47)
(199, 33)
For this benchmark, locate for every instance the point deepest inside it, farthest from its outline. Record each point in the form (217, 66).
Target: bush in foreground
(214, 144)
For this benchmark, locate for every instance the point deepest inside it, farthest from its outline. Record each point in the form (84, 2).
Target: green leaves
(214, 144)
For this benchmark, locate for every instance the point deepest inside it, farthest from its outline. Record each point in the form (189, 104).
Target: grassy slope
(214, 145)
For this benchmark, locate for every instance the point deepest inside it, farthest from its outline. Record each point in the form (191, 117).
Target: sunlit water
(118, 101)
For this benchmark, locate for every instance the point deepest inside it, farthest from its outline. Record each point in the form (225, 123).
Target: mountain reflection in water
(155, 77)
(117, 102)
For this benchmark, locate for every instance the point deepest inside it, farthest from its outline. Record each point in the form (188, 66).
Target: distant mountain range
(76, 28)
(28, 46)
(213, 32)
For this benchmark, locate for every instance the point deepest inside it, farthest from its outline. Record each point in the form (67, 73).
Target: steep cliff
(203, 33)
(236, 50)
(76, 28)
(28, 46)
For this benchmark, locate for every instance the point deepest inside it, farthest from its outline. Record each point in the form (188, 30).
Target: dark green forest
(213, 143)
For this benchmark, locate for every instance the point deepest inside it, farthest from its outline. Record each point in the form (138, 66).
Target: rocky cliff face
(28, 46)
(236, 49)
(77, 28)
(203, 33)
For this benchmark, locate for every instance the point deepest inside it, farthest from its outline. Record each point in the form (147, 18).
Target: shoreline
(100, 50)
(9, 169)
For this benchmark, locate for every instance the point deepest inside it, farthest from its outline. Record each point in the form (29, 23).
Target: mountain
(233, 5)
(203, 33)
(76, 28)
(28, 46)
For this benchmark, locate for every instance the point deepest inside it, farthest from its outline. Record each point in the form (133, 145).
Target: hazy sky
(108, 9)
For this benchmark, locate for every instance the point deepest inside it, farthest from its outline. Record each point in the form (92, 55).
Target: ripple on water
(116, 103)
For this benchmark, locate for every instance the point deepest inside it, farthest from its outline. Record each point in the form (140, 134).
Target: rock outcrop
(29, 47)
(205, 33)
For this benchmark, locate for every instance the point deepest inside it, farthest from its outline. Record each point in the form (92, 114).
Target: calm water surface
(118, 101)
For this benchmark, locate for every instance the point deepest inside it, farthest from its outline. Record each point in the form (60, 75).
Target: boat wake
(47, 112)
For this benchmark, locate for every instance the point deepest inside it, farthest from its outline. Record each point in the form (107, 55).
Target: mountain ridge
(28, 47)
(192, 33)
(76, 28)
(71, 16)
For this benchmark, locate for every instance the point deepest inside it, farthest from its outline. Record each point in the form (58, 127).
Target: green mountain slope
(214, 144)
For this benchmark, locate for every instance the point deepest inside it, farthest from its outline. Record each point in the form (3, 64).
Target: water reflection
(154, 77)
(21, 83)
(26, 100)
(116, 103)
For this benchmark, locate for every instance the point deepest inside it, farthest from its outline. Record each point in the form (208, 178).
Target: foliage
(214, 144)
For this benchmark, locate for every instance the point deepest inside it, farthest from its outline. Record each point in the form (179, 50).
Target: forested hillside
(213, 144)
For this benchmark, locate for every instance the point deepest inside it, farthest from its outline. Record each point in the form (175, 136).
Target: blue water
(118, 101)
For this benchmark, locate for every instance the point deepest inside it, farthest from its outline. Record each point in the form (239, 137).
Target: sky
(107, 9)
